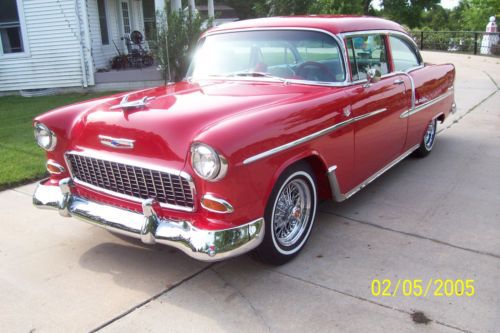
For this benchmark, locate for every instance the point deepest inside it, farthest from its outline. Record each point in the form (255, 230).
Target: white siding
(53, 33)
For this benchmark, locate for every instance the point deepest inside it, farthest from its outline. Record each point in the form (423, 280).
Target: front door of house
(126, 20)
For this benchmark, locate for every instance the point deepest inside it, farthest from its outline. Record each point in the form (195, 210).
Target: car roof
(333, 23)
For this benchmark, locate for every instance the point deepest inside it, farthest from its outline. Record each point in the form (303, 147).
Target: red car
(274, 114)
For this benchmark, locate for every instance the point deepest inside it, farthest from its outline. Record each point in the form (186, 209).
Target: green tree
(477, 13)
(176, 39)
(359, 7)
(408, 12)
(281, 7)
(436, 19)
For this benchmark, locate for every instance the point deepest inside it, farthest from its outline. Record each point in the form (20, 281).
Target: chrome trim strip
(311, 136)
(116, 142)
(200, 244)
(338, 196)
(115, 159)
(425, 105)
(229, 207)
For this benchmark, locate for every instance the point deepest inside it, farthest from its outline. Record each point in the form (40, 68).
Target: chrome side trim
(229, 207)
(113, 158)
(311, 136)
(200, 244)
(338, 196)
(425, 105)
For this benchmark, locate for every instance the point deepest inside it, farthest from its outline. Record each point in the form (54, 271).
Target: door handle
(398, 81)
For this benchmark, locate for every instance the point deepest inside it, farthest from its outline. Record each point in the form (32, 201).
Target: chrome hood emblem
(116, 143)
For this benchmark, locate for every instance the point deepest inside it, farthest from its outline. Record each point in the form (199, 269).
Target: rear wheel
(289, 215)
(428, 140)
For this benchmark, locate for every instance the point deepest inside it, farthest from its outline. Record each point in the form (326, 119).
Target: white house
(62, 43)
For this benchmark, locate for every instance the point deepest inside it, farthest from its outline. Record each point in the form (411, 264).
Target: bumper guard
(205, 245)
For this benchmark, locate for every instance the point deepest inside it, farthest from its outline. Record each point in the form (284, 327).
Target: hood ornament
(137, 104)
(116, 143)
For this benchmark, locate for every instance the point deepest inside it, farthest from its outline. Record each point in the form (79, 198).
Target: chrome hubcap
(430, 134)
(292, 210)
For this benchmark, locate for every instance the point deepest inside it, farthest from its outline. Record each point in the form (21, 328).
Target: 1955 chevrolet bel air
(273, 115)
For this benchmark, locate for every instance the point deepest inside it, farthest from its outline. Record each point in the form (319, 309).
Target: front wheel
(289, 215)
(428, 140)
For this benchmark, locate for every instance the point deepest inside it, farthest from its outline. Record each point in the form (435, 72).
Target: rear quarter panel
(431, 82)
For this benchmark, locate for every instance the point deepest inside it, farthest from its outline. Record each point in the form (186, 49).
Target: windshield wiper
(258, 74)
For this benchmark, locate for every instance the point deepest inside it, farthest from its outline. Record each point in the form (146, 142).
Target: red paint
(242, 118)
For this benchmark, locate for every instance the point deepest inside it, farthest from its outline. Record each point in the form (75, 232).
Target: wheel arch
(318, 166)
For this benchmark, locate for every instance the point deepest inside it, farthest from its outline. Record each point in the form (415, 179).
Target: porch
(128, 79)
(112, 25)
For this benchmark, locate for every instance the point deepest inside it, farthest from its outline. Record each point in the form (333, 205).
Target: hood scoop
(125, 104)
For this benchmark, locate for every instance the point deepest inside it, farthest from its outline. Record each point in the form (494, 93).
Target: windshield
(284, 55)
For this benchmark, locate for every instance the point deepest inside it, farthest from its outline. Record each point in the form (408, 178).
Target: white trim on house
(24, 36)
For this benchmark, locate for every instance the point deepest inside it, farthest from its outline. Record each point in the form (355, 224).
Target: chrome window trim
(338, 40)
(405, 36)
(115, 159)
(311, 136)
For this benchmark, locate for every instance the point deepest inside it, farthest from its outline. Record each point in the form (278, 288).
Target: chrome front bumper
(205, 245)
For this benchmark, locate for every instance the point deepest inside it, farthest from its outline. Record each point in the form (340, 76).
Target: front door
(125, 20)
(379, 132)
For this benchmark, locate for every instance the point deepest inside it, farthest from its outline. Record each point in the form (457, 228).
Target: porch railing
(471, 42)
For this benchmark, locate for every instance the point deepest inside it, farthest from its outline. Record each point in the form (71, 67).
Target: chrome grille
(132, 182)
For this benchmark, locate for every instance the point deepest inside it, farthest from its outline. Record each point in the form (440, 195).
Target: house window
(11, 37)
(148, 9)
(103, 22)
(125, 17)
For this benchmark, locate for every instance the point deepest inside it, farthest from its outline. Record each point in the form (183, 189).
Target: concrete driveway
(435, 218)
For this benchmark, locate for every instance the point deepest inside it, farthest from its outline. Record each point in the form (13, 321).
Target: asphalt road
(434, 218)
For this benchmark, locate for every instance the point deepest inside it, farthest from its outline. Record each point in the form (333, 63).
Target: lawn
(21, 159)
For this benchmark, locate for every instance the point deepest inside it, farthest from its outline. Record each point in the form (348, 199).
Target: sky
(449, 3)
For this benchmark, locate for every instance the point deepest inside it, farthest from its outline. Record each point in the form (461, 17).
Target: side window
(366, 52)
(403, 55)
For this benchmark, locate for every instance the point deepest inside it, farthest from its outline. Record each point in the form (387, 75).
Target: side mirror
(372, 76)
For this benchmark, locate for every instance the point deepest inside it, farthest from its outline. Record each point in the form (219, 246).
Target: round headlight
(207, 163)
(45, 137)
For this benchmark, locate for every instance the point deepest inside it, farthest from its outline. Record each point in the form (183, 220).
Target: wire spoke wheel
(430, 135)
(292, 212)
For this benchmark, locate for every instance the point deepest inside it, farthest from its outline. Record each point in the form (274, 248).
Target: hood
(176, 114)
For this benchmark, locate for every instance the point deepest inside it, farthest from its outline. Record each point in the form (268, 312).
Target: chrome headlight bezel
(219, 169)
(40, 131)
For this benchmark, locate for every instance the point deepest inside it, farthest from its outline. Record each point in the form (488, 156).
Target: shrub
(176, 37)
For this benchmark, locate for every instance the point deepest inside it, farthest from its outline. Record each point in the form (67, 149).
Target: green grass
(21, 159)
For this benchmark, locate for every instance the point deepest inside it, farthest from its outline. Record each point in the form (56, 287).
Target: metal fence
(472, 42)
